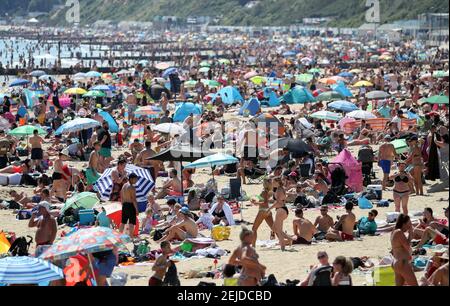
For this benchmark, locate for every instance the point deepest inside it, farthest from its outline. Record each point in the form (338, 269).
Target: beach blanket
(137, 133)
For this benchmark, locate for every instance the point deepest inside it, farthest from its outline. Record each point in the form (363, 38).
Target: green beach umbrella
(94, 94)
(190, 84)
(326, 115)
(26, 130)
(440, 74)
(258, 80)
(315, 70)
(205, 64)
(224, 61)
(204, 69)
(87, 200)
(211, 83)
(441, 99)
(304, 78)
(330, 96)
(400, 146)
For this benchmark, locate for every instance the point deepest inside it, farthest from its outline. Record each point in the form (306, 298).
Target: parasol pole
(92, 270)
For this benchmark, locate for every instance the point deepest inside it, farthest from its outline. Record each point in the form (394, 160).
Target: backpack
(5, 146)
(20, 246)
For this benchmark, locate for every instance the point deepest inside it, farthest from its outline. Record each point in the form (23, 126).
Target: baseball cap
(185, 211)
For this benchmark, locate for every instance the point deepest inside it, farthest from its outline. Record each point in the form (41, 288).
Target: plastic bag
(118, 279)
(364, 203)
(220, 233)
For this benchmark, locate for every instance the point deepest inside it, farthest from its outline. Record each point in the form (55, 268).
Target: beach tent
(298, 95)
(251, 107)
(342, 89)
(183, 110)
(113, 126)
(352, 168)
(229, 95)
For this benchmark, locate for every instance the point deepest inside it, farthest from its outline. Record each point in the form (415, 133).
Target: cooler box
(87, 216)
(378, 189)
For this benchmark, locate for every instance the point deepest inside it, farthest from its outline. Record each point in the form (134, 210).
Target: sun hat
(45, 205)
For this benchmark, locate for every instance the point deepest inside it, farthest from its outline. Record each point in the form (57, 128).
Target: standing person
(119, 178)
(161, 265)
(92, 173)
(304, 230)
(401, 190)
(5, 148)
(415, 160)
(37, 153)
(402, 252)
(433, 155)
(386, 155)
(132, 106)
(46, 227)
(281, 213)
(252, 271)
(263, 204)
(130, 209)
(104, 137)
(342, 268)
(343, 230)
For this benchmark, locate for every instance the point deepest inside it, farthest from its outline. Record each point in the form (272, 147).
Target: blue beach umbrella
(19, 82)
(93, 74)
(169, 71)
(343, 106)
(101, 88)
(24, 270)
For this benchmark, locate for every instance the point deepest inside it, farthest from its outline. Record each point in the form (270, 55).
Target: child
(205, 220)
(147, 222)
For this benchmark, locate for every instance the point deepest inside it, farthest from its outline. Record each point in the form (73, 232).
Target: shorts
(385, 165)
(105, 152)
(37, 154)
(440, 239)
(251, 153)
(57, 176)
(128, 213)
(301, 240)
(91, 176)
(154, 282)
(132, 108)
(347, 237)
(106, 265)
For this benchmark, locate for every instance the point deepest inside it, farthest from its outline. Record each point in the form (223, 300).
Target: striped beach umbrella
(25, 270)
(144, 184)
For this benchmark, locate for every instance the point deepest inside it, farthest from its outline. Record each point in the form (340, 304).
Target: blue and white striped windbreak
(27, 270)
(144, 184)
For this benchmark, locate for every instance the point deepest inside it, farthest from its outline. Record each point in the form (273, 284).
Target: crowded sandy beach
(300, 161)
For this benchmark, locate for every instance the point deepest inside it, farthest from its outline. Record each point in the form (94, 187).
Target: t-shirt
(101, 134)
(367, 227)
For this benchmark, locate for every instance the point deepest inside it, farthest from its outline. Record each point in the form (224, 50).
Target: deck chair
(257, 177)
(383, 276)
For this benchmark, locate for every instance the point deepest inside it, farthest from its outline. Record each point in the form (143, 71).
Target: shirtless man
(440, 276)
(37, 153)
(161, 265)
(323, 223)
(132, 106)
(173, 187)
(119, 177)
(142, 160)
(95, 167)
(185, 229)
(386, 155)
(135, 147)
(130, 209)
(347, 223)
(46, 227)
(303, 228)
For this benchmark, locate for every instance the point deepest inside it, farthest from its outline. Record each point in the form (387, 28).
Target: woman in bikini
(281, 213)
(401, 187)
(263, 202)
(415, 160)
(245, 256)
(60, 178)
(401, 250)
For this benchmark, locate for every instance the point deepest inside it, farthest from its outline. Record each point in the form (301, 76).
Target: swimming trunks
(105, 152)
(440, 239)
(128, 213)
(154, 282)
(346, 237)
(285, 208)
(385, 165)
(301, 240)
(37, 154)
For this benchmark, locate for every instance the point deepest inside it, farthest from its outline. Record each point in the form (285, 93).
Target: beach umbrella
(327, 81)
(356, 71)
(315, 71)
(377, 95)
(23, 270)
(38, 73)
(304, 78)
(325, 115)
(107, 76)
(250, 75)
(400, 145)
(363, 84)
(79, 76)
(440, 74)
(146, 111)
(101, 88)
(258, 80)
(86, 240)
(306, 61)
(215, 160)
(181, 153)
(156, 91)
(143, 186)
(344, 106)
(211, 83)
(124, 72)
(441, 99)
(360, 114)
(27, 130)
(143, 62)
(47, 77)
(94, 94)
(75, 91)
(224, 61)
(329, 96)
(346, 74)
(77, 125)
(204, 69)
(85, 200)
(163, 65)
(169, 71)
(298, 147)
(272, 124)
(93, 74)
(190, 84)
(169, 128)
(19, 82)
(205, 64)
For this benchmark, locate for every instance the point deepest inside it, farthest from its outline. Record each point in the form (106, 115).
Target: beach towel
(137, 133)
(228, 213)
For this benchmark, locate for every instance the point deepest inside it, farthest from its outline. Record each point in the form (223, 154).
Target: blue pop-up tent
(342, 89)
(298, 95)
(229, 95)
(183, 110)
(113, 126)
(270, 98)
(250, 107)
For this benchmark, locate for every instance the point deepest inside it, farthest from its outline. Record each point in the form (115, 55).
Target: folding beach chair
(255, 176)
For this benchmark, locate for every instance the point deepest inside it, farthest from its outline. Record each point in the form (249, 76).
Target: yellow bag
(220, 233)
(4, 244)
(383, 276)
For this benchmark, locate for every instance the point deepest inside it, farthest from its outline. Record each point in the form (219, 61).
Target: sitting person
(322, 257)
(22, 199)
(205, 220)
(440, 276)
(193, 200)
(304, 230)
(187, 178)
(185, 229)
(343, 229)
(222, 212)
(172, 187)
(342, 267)
(153, 206)
(147, 222)
(323, 223)
(367, 225)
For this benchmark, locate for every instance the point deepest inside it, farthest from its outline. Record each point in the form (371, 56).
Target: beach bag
(23, 215)
(186, 247)
(158, 234)
(220, 233)
(20, 246)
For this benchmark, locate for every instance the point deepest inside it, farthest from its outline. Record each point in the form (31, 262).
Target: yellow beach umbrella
(75, 91)
(363, 84)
